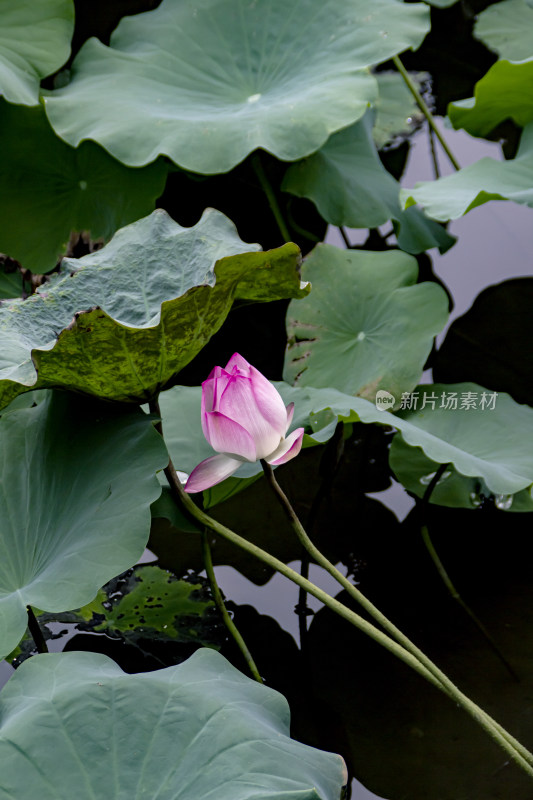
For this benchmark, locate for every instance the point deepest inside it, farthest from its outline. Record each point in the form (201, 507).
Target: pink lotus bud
(243, 419)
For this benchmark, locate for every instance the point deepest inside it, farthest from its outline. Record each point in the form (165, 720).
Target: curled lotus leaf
(121, 322)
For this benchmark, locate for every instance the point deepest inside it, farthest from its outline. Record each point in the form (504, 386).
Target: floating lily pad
(168, 733)
(49, 190)
(507, 28)
(415, 471)
(121, 322)
(75, 510)
(503, 93)
(207, 84)
(487, 179)
(34, 42)
(145, 606)
(349, 185)
(367, 326)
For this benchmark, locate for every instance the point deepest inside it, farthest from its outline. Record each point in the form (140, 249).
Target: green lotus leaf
(144, 604)
(441, 3)
(490, 441)
(206, 84)
(121, 322)
(34, 42)
(486, 179)
(77, 481)
(367, 326)
(10, 283)
(507, 28)
(396, 110)
(49, 190)
(349, 185)
(503, 93)
(415, 471)
(195, 730)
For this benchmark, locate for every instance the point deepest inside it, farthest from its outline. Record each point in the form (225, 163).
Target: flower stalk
(516, 751)
(219, 602)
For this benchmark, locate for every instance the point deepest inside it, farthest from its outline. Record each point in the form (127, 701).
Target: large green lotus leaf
(34, 42)
(396, 110)
(121, 322)
(487, 179)
(507, 28)
(367, 326)
(483, 442)
(192, 731)
(207, 83)
(503, 93)
(49, 189)
(349, 185)
(415, 471)
(77, 481)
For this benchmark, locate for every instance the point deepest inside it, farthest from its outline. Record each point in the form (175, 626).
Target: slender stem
(434, 157)
(516, 750)
(345, 237)
(327, 470)
(439, 566)
(271, 197)
(513, 748)
(219, 602)
(430, 547)
(36, 632)
(421, 103)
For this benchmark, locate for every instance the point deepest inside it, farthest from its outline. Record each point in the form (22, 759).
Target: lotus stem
(421, 103)
(219, 602)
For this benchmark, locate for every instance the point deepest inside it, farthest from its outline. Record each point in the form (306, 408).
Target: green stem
(219, 602)
(36, 632)
(345, 237)
(271, 197)
(424, 109)
(430, 547)
(516, 750)
(439, 566)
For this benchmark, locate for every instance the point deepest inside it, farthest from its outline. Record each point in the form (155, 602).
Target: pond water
(495, 242)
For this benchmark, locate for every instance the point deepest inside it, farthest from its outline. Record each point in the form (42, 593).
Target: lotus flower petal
(290, 415)
(289, 448)
(210, 472)
(227, 436)
(238, 402)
